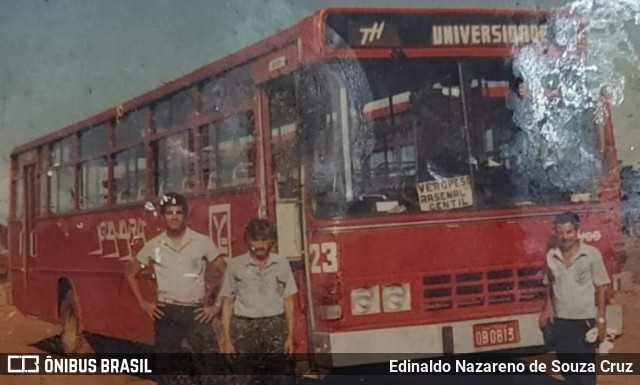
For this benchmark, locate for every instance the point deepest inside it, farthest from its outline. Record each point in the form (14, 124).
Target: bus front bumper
(340, 349)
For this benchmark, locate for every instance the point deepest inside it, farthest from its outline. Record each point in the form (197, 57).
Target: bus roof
(248, 54)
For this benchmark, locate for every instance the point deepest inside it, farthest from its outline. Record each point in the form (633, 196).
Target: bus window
(208, 157)
(174, 110)
(284, 120)
(62, 177)
(174, 162)
(93, 189)
(416, 122)
(236, 150)
(129, 171)
(394, 151)
(323, 98)
(227, 91)
(407, 127)
(131, 128)
(516, 160)
(93, 141)
(92, 170)
(17, 185)
(43, 181)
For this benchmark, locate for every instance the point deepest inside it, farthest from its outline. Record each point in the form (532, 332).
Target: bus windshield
(448, 134)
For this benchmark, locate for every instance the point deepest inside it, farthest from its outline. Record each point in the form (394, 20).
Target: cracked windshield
(328, 191)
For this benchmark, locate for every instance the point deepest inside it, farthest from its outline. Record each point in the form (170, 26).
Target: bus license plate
(499, 333)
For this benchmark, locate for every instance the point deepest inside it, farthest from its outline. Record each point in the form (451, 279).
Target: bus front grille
(487, 287)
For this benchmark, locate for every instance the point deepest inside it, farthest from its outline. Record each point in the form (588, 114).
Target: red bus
(379, 143)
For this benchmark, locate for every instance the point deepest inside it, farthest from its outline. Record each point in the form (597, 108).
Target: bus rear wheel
(71, 337)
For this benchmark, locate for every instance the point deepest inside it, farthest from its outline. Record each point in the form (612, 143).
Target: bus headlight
(396, 297)
(365, 300)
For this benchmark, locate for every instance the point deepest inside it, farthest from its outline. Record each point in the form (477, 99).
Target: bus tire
(71, 338)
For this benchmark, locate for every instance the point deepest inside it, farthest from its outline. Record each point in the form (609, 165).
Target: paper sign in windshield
(445, 194)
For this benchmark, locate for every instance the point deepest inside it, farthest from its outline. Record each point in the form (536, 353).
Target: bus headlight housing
(365, 300)
(396, 297)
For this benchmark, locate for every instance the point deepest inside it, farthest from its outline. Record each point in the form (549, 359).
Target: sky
(64, 60)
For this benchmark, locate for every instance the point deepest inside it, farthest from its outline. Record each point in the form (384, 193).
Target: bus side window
(92, 191)
(235, 150)
(129, 168)
(188, 184)
(62, 176)
(93, 167)
(43, 181)
(131, 128)
(211, 180)
(208, 156)
(17, 187)
(226, 92)
(174, 110)
(284, 121)
(141, 193)
(174, 160)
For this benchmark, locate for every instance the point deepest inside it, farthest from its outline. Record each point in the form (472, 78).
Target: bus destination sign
(433, 30)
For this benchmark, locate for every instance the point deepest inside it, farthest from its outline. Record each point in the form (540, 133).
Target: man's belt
(178, 303)
(258, 318)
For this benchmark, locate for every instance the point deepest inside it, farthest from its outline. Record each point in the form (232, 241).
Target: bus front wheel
(71, 337)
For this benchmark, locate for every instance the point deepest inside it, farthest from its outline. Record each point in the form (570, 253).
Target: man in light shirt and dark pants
(258, 304)
(575, 276)
(183, 311)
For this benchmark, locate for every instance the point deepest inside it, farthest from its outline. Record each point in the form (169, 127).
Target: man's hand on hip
(207, 313)
(152, 309)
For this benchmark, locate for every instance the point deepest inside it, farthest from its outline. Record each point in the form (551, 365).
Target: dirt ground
(630, 341)
(18, 332)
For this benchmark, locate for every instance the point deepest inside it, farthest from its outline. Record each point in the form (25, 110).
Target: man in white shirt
(575, 275)
(179, 257)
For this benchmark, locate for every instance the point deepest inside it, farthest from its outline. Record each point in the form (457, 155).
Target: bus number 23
(324, 257)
